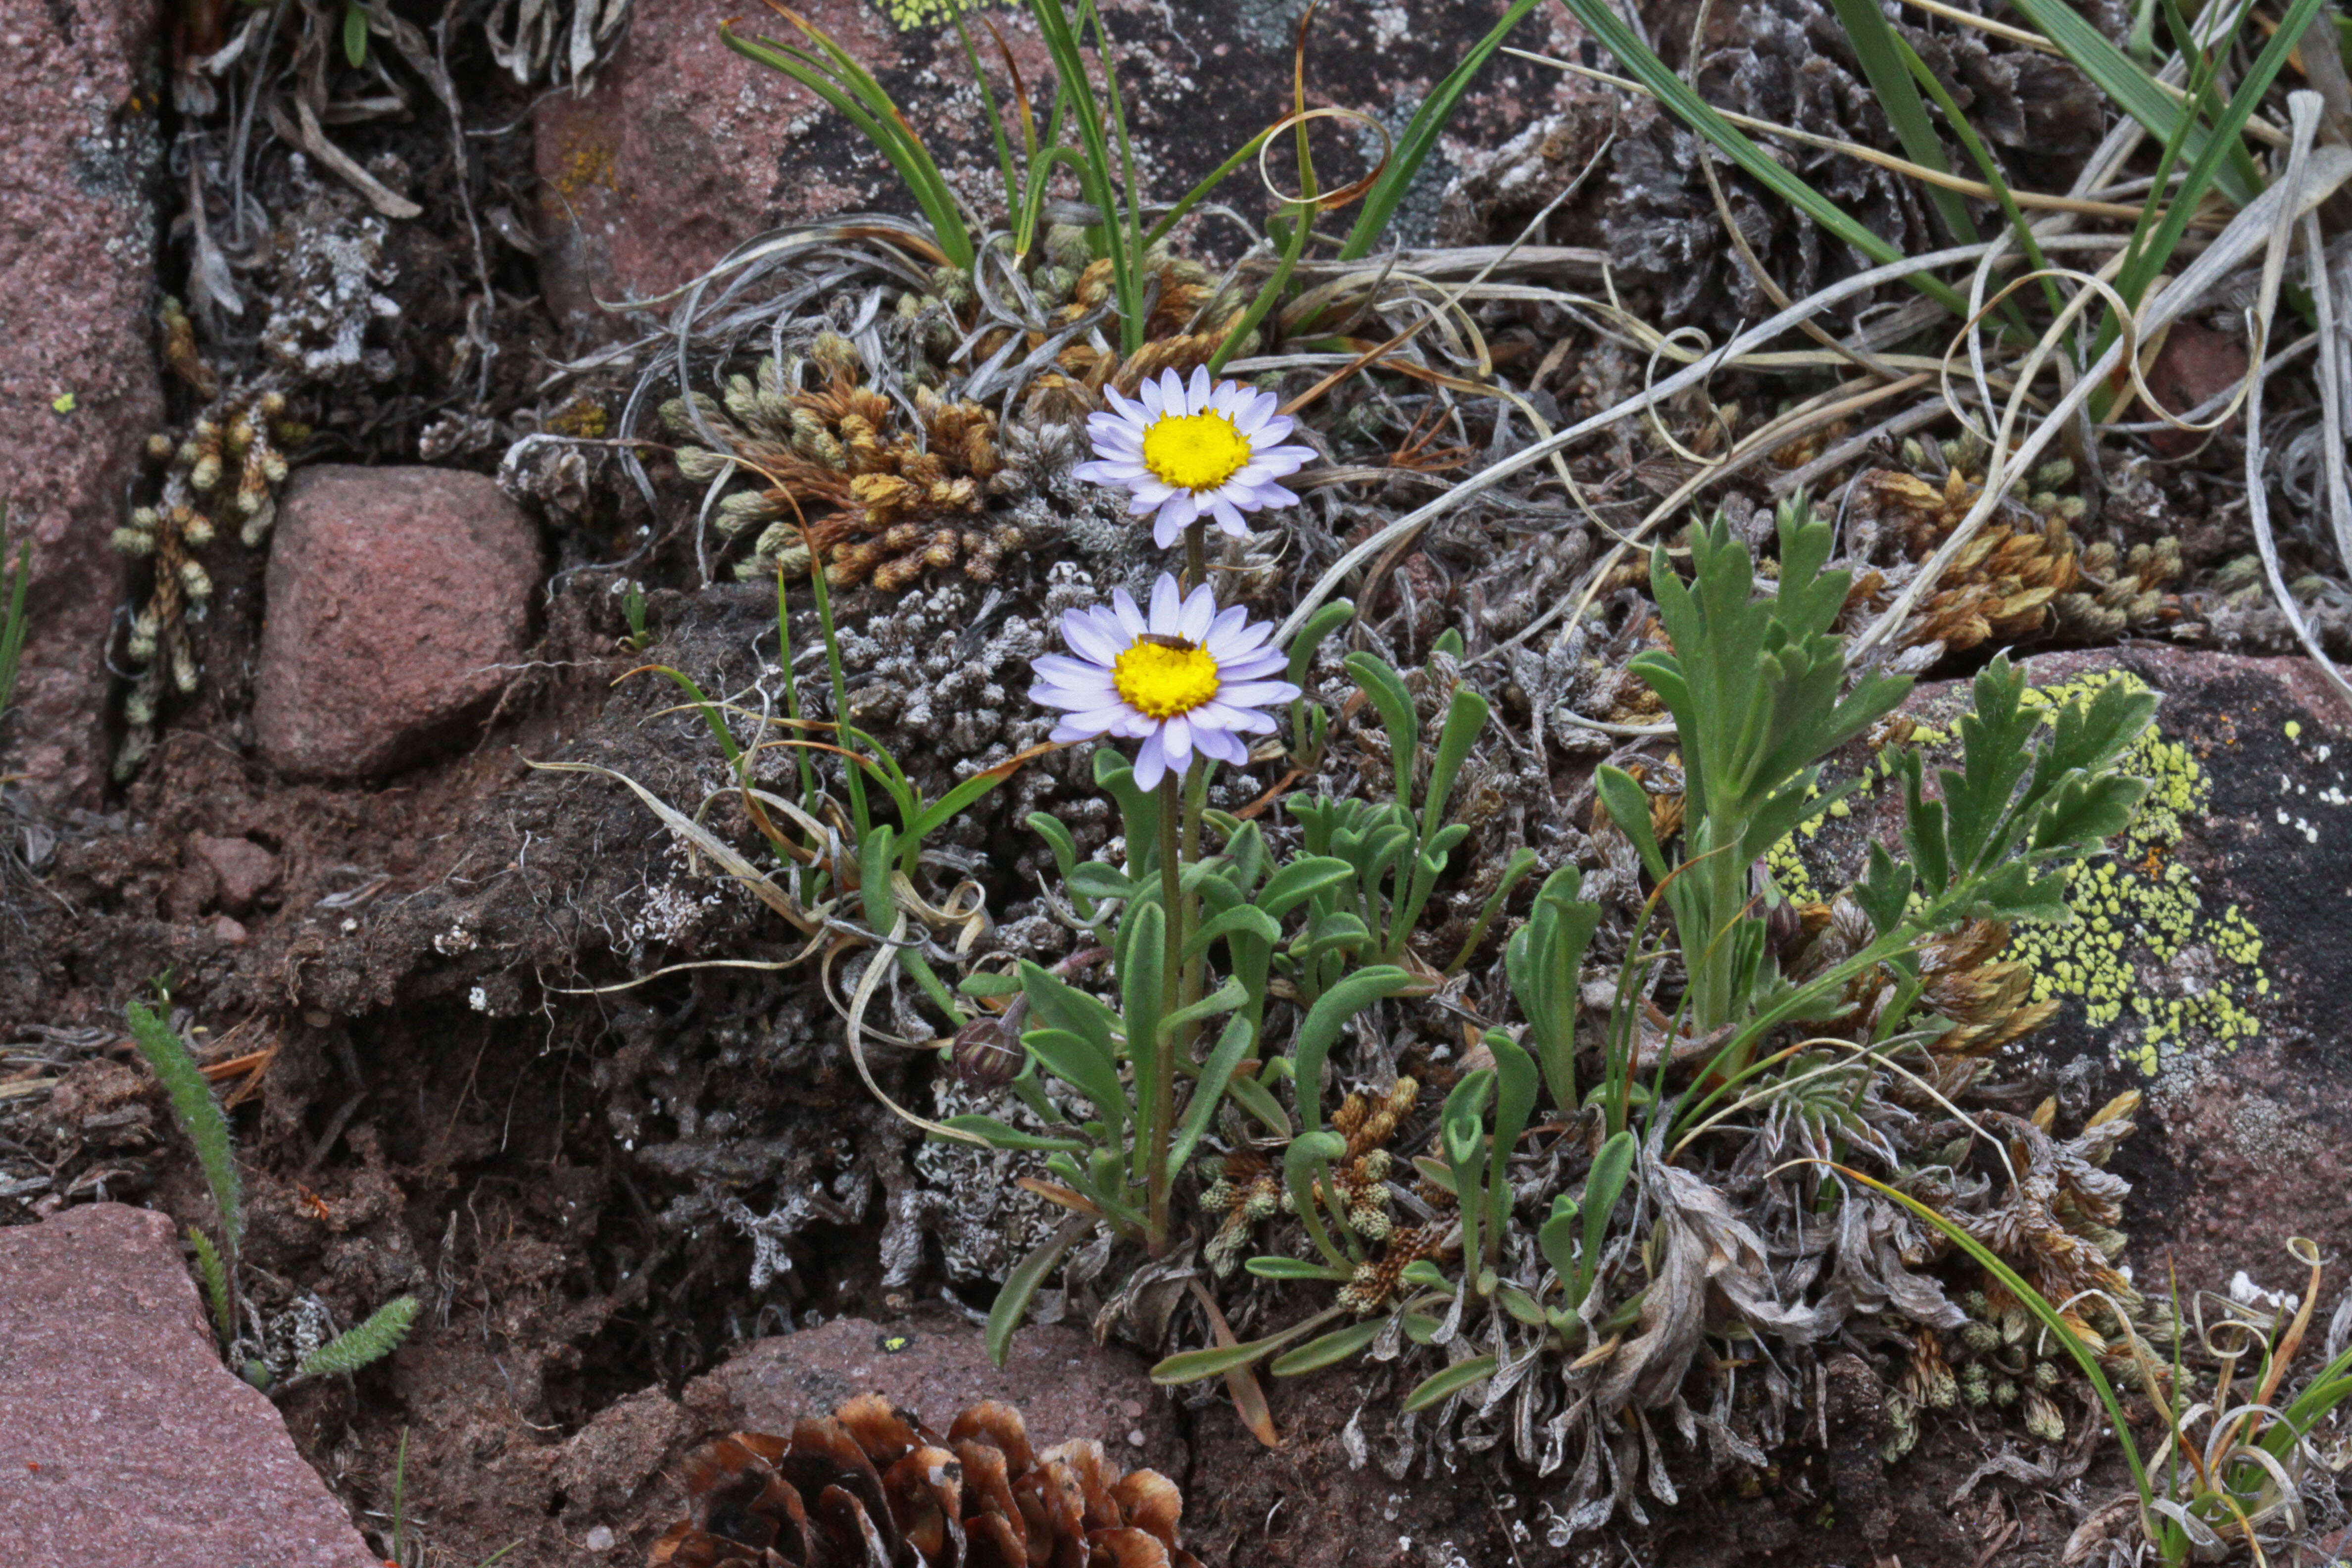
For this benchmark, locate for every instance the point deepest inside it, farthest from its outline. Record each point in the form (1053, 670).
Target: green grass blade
(2133, 90)
(2208, 168)
(1095, 177)
(1882, 52)
(1420, 138)
(1981, 155)
(844, 85)
(1694, 112)
(1012, 1303)
(13, 621)
(995, 119)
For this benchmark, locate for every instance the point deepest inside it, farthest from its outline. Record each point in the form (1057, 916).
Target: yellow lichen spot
(2294, 728)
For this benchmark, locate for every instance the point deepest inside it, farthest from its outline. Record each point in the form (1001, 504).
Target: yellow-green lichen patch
(2158, 969)
(2155, 965)
(909, 15)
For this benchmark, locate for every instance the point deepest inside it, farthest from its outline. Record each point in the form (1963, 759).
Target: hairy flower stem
(1160, 1129)
(1196, 553)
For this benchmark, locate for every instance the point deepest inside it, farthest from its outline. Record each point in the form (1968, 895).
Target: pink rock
(394, 596)
(672, 158)
(246, 870)
(2196, 363)
(123, 1438)
(78, 389)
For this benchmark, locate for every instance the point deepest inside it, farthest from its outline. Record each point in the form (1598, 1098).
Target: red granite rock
(78, 387)
(244, 868)
(684, 148)
(1064, 1383)
(122, 1437)
(395, 595)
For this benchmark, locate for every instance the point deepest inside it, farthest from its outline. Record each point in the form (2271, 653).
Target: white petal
(1222, 745)
(1179, 511)
(1131, 619)
(1165, 530)
(1229, 517)
(1151, 492)
(1063, 671)
(1102, 471)
(1150, 763)
(1196, 395)
(1200, 614)
(1234, 635)
(1257, 693)
(1070, 730)
(1230, 399)
(1166, 607)
(1091, 641)
(1254, 667)
(1176, 741)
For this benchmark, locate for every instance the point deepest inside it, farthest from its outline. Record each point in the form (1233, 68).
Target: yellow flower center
(1163, 678)
(1194, 451)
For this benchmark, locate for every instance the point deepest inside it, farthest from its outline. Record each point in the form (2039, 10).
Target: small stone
(600, 1539)
(246, 870)
(229, 930)
(396, 595)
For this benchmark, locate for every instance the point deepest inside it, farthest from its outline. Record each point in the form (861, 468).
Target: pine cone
(874, 1488)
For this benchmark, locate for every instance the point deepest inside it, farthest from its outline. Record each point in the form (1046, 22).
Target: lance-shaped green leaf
(1330, 1014)
(1443, 1385)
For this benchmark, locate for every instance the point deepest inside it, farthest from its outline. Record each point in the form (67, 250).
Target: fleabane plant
(1187, 677)
(1191, 451)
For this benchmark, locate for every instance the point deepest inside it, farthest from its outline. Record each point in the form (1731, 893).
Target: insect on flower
(1192, 449)
(1185, 677)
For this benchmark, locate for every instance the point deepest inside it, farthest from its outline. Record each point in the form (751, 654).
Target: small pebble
(601, 1538)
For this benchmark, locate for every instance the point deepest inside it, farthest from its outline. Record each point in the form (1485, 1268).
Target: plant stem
(1196, 553)
(1161, 1127)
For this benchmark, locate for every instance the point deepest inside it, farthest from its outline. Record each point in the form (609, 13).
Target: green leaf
(1612, 1169)
(1420, 138)
(1294, 1269)
(1299, 881)
(370, 1341)
(1209, 1090)
(1074, 1061)
(1064, 1007)
(1244, 919)
(215, 1274)
(1191, 1366)
(1099, 879)
(1324, 1021)
(1012, 1304)
(1319, 625)
(1421, 1274)
(355, 34)
(1628, 806)
(1387, 692)
(1002, 1136)
(1443, 1385)
(989, 984)
(200, 1117)
(1465, 716)
(1327, 1349)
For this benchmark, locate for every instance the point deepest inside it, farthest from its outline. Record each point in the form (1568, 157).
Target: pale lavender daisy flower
(1185, 677)
(1190, 450)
